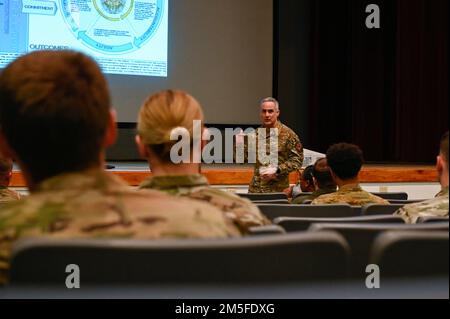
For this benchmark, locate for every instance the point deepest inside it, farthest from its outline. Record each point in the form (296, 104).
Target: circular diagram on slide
(113, 26)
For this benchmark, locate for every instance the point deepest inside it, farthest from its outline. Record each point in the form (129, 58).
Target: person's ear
(142, 148)
(111, 130)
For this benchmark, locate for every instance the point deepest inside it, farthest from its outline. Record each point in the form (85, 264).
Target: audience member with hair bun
(173, 113)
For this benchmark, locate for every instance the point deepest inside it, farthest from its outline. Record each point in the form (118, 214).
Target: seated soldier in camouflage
(159, 116)
(269, 179)
(322, 180)
(56, 119)
(6, 194)
(438, 206)
(345, 162)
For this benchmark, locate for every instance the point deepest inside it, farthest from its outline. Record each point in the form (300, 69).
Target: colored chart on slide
(113, 26)
(124, 36)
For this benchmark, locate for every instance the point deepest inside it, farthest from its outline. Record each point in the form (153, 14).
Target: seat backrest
(266, 230)
(397, 195)
(293, 224)
(263, 196)
(432, 219)
(291, 257)
(274, 211)
(411, 253)
(361, 236)
(377, 209)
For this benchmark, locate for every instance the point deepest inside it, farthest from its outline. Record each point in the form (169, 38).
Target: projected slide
(124, 36)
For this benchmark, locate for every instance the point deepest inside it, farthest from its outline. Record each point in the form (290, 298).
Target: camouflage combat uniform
(351, 194)
(95, 204)
(240, 210)
(7, 195)
(300, 199)
(290, 159)
(436, 207)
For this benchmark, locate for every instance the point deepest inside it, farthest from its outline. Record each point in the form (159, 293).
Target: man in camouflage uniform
(345, 162)
(437, 206)
(240, 210)
(6, 194)
(61, 99)
(290, 152)
(322, 180)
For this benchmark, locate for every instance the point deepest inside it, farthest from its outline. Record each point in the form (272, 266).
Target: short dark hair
(345, 160)
(54, 111)
(308, 174)
(444, 147)
(322, 174)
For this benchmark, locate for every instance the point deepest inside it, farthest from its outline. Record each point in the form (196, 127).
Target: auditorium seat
(266, 230)
(340, 210)
(432, 219)
(388, 196)
(265, 196)
(361, 236)
(377, 209)
(411, 253)
(293, 224)
(287, 258)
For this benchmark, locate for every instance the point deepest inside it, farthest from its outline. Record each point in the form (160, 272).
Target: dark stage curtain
(386, 89)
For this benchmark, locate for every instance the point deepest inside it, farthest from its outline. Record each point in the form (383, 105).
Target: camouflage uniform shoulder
(314, 195)
(7, 195)
(180, 185)
(301, 199)
(291, 140)
(436, 207)
(240, 210)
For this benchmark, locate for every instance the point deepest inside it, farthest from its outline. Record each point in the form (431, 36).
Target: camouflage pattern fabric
(301, 199)
(290, 159)
(436, 207)
(353, 195)
(96, 204)
(240, 210)
(8, 195)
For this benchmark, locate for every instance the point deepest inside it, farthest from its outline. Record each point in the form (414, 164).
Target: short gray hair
(270, 99)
